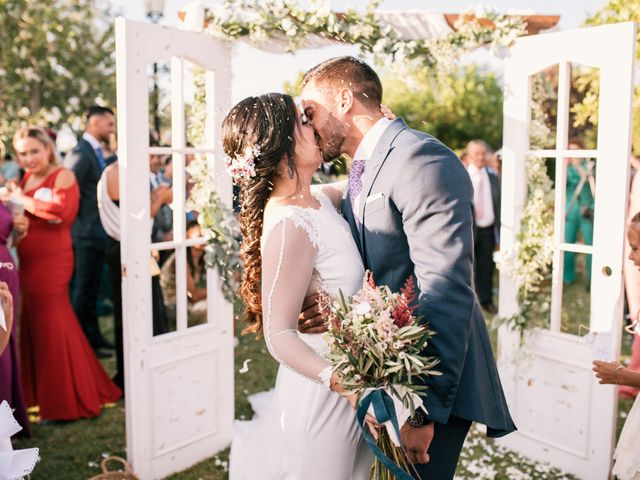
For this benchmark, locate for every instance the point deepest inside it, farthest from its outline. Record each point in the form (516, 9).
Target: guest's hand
(387, 112)
(20, 227)
(165, 193)
(311, 319)
(16, 193)
(20, 223)
(6, 300)
(416, 441)
(7, 306)
(607, 372)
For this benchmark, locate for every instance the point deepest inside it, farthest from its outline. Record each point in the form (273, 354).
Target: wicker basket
(106, 474)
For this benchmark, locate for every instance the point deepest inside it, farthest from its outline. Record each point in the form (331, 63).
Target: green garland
(257, 20)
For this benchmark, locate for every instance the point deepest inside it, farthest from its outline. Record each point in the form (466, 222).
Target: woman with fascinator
(294, 243)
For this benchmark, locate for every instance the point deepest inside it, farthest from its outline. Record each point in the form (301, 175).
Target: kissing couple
(406, 210)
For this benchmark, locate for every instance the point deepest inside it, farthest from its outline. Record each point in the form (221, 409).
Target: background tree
(56, 59)
(467, 104)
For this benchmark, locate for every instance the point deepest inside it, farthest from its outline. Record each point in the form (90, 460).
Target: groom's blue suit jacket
(417, 206)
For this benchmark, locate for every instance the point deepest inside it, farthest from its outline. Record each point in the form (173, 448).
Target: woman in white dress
(294, 243)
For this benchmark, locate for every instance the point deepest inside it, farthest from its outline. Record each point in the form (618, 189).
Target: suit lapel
(373, 166)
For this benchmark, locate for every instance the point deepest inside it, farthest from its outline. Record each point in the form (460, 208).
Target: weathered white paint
(180, 400)
(564, 416)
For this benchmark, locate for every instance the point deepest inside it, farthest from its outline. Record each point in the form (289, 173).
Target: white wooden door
(563, 415)
(179, 385)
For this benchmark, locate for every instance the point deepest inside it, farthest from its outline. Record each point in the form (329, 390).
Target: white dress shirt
(92, 140)
(481, 176)
(367, 146)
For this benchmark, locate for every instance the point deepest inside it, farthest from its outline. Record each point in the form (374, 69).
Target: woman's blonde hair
(40, 135)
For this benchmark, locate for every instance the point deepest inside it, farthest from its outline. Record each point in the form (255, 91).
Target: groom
(410, 207)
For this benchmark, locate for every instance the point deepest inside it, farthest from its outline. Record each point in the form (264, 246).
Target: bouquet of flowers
(376, 346)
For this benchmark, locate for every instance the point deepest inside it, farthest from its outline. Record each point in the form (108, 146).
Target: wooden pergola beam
(535, 23)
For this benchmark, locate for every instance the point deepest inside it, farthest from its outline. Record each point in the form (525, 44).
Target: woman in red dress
(61, 374)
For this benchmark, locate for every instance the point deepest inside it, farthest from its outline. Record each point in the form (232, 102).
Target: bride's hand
(353, 399)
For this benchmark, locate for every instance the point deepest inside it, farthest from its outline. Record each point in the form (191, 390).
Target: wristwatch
(418, 419)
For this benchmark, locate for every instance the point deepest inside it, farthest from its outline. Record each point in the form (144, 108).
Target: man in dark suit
(87, 161)
(486, 201)
(409, 204)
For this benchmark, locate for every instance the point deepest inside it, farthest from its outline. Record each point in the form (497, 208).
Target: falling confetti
(245, 366)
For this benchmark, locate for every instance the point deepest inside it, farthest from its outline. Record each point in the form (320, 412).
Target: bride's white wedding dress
(301, 429)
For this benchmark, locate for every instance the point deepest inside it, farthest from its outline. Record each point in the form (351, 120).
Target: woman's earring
(292, 172)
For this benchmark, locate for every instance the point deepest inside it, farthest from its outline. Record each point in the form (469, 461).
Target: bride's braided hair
(267, 121)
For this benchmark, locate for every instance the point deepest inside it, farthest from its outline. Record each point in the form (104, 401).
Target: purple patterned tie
(355, 186)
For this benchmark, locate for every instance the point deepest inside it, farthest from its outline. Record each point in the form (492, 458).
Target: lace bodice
(300, 246)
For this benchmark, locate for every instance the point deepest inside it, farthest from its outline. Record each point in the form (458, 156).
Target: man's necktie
(355, 186)
(100, 156)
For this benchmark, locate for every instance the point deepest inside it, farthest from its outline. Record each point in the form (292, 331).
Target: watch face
(417, 420)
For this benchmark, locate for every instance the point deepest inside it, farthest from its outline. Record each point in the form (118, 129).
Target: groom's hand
(311, 320)
(416, 441)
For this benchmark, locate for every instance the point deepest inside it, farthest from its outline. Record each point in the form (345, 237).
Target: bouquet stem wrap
(384, 411)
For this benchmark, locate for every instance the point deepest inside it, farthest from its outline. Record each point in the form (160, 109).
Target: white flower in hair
(243, 166)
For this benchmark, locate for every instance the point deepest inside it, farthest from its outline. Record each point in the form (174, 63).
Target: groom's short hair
(351, 72)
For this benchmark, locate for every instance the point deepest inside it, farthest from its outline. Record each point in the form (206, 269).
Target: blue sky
(250, 65)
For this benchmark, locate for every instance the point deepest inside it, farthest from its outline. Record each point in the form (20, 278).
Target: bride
(295, 242)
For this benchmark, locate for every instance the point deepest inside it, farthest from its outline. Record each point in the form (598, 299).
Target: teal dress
(577, 220)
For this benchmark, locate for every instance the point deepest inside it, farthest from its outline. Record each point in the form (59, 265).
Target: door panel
(564, 416)
(179, 385)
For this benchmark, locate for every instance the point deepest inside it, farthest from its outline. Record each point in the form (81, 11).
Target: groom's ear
(345, 100)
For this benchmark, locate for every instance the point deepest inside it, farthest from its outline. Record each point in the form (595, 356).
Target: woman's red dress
(61, 374)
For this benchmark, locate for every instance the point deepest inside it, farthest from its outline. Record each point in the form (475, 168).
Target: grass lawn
(72, 451)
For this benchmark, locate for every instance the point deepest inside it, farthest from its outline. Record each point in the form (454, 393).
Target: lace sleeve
(288, 258)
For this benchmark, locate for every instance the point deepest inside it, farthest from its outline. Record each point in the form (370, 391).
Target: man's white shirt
(365, 150)
(478, 174)
(92, 140)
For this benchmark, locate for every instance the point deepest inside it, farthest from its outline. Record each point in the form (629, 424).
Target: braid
(267, 121)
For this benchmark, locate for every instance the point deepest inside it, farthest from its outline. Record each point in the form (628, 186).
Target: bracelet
(615, 374)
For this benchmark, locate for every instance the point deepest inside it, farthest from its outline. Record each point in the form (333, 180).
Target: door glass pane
(163, 291)
(196, 277)
(579, 220)
(194, 98)
(584, 105)
(580, 198)
(159, 84)
(576, 294)
(544, 109)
